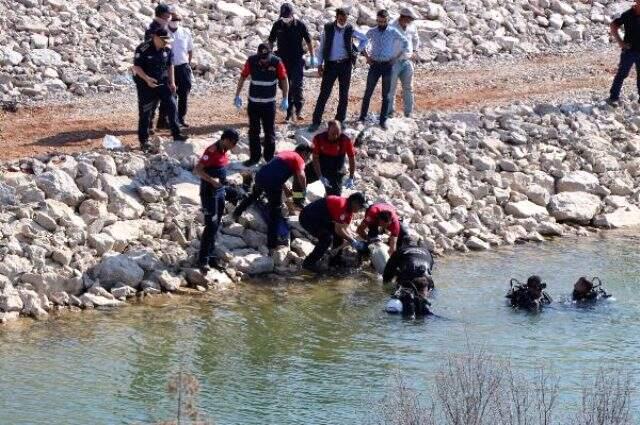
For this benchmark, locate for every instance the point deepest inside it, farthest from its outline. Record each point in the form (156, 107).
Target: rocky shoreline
(95, 229)
(60, 49)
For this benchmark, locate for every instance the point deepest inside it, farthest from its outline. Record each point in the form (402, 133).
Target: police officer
(328, 220)
(384, 217)
(330, 149)
(289, 33)
(270, 180)
(265, 70)
(155, 82)
(336, 57)
(212, 170)
(160, 21)
(411, 266)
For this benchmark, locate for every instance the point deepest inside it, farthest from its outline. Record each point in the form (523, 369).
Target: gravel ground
(62, 126)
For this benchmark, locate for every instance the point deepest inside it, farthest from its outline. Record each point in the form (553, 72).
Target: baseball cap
(286, 10)
(409, 13)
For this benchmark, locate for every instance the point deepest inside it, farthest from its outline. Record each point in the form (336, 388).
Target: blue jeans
(377, 71)
(403, 71)
(628, 58)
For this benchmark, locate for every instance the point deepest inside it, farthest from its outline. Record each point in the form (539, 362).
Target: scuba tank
(408, 302)
(520, 295)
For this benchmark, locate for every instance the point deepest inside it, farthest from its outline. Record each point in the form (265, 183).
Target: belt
(340, 61)
(381, 62)
(262, 100)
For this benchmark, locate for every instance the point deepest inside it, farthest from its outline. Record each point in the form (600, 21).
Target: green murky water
(319, 352)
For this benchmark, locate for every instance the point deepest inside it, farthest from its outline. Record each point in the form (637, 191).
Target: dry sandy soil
(81, 125)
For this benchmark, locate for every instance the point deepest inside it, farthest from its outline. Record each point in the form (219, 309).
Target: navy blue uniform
(155, 63)
(289, 39)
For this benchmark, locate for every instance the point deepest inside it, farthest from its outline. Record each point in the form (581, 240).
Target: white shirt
(411, 33)
(181, 46)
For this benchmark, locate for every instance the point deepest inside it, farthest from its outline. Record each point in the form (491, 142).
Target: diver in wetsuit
(586, 290)
(529, 296)
(411, 266)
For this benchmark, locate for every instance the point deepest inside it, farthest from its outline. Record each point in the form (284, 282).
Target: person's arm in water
(614, 30)
(200, 172)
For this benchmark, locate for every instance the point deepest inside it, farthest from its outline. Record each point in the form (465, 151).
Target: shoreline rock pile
(53, 48)
(96, 228)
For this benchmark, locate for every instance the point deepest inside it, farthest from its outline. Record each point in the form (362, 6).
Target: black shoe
(152, 131)
(145, 147)
(215, 263)
(204, 268)
(613, 102)
(250, 162)
(180, 138)
(183, 124)
(162, 125)
(383, 125)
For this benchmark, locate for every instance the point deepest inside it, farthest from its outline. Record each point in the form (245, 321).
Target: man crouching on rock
(328, 219)
(270, 180)
(212, 170)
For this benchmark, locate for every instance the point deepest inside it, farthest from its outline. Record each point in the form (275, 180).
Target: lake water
(318, 352)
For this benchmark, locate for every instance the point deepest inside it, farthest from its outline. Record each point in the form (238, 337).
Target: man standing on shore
(265, 70)
(289, 33)
(336, 58)
(182, 48)
(155, 81)
(384, 52)
(629, 21)
(403, 68)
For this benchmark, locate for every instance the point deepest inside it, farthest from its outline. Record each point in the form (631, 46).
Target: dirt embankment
(81, 125)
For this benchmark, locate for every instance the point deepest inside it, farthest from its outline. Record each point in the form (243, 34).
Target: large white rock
(233, 9)
(32, 304)
(302, 247)
(526, 209)
(579, 207)
(48, 283)
(578, 181)
(187, 193)
(59, 186)
(9, 296)
(119, 270)
(45, 57)
(476, 244)
(450, 228)
(123, 197)
(252, 262)
(379, 254)
(13, 265)
(628, 216)
(92, 300)
(122, 233)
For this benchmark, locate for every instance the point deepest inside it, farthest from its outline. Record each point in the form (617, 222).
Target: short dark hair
(230, 134)
(357, 197)
(383, 13)
(304, 149)
(341, 11)
(385, 215)
(161, 9)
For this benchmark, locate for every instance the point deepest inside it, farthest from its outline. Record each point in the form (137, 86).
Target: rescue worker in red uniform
(212, 170)
(270, 180)
(328, 220)
(382, 217)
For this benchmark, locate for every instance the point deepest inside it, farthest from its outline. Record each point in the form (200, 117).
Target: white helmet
(394, 306)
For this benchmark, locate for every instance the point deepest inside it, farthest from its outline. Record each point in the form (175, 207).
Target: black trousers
(274, 203)
(183, 77)
(262, 115)
(295, 74)
(148, 100)
(332, 173)
(333, 71)
(316, 221)
(213, 212)
(377, 71)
